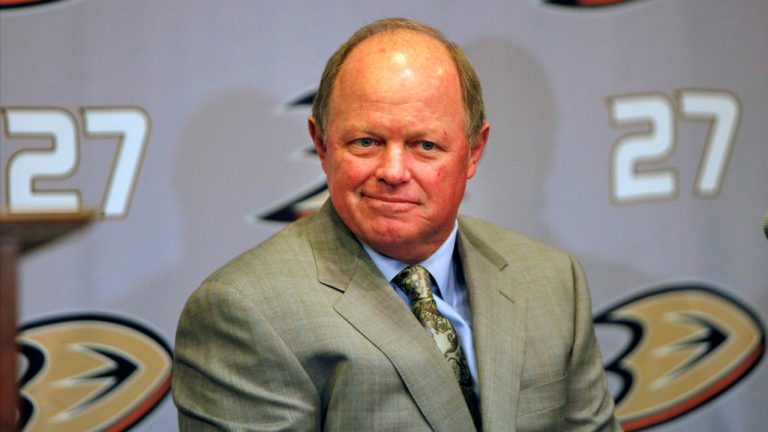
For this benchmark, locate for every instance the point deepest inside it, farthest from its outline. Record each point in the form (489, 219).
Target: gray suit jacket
(304, 333)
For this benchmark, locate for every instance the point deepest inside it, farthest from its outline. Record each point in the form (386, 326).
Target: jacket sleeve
(232, 371)
(589, 404)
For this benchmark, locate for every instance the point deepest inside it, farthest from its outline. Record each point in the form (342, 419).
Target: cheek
(447, 184)
(345, 174)
(443, 176)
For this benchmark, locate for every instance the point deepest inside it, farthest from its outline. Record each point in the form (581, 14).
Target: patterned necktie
(416, 283)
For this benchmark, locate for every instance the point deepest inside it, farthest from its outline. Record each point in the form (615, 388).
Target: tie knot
(415, 282)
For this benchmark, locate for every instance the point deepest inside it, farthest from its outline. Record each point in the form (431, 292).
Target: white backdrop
(631, 135)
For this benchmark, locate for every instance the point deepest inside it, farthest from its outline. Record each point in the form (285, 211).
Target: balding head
(399, 28)
(401, 67)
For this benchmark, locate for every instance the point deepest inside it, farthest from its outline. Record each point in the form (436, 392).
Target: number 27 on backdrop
(128, 125)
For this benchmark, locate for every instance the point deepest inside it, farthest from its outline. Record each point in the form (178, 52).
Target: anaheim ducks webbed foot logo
(90, 372)
(309, 201)
(688, 344)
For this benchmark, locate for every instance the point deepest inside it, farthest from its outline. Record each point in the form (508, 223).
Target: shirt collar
(439, 264)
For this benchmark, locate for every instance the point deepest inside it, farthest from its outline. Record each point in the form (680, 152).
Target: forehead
(388, 45)
(398, 64)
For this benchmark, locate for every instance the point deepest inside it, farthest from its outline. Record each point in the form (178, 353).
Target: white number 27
(630, 183)
(129, 125)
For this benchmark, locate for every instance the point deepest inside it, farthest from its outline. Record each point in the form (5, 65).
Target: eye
(365, 142)
(427, 145)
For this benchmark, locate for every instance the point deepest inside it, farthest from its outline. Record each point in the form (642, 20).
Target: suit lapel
(498, 318)
(372, 307)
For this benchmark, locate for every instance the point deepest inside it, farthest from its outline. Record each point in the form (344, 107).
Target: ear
(317, 140)
(476, 149)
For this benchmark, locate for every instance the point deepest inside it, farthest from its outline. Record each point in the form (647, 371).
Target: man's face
(396, 154)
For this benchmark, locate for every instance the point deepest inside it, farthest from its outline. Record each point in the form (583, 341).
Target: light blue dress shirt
(449, 290)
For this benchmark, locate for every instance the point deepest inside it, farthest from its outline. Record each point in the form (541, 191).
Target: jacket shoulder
(287, 250)
(509, 244)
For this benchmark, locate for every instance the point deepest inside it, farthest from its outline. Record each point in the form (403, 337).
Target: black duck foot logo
(688, 344)
(90, 372)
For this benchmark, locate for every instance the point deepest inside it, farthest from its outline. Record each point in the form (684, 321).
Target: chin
(392, 241)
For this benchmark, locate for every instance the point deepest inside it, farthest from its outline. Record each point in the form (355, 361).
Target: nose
(393, 166)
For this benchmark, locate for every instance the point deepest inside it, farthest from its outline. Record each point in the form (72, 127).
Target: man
(383, 311)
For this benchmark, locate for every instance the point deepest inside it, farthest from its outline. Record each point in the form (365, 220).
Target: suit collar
(337, 251)
(497, 300)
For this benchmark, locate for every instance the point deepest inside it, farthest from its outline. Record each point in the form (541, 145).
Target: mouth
(390, 199)
(390, 202)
